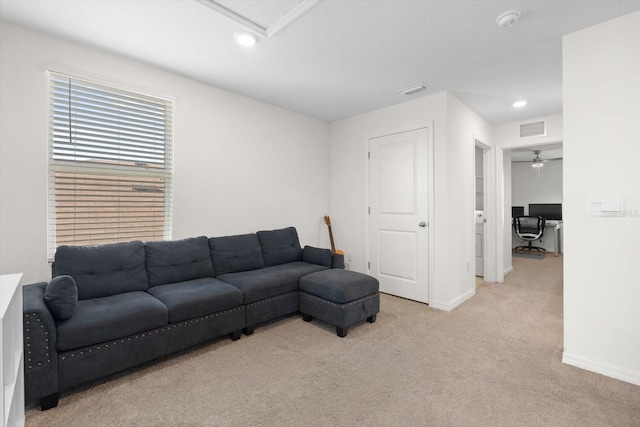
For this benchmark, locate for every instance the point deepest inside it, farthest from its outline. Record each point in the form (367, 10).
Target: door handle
(422, 224)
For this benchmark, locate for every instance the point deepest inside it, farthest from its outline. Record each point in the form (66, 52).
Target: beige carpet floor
(493, 361)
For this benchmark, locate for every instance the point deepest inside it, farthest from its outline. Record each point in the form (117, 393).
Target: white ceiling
(264, 13)
(342, 57)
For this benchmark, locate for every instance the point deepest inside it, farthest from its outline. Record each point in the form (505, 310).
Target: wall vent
(528, 130)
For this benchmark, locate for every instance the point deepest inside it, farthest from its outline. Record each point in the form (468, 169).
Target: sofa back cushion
(280, 246)
(173, 261)
(105, 270)
(232, 254)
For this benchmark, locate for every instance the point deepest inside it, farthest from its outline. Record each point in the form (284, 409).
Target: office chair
(529, 228)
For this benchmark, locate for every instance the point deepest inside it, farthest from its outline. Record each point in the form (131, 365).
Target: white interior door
(399, 223)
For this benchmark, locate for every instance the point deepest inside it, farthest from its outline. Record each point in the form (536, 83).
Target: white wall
(464, 127)
(452, 227)
(507, 135)
(348, 160)
(601, 73)
(240, 165)
(527, 187)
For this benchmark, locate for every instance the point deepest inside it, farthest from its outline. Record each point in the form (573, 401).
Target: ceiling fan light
(537, 164)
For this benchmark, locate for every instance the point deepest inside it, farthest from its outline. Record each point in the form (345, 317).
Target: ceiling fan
(537, 161)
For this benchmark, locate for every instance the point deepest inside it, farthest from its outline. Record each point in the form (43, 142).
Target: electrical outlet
(349, 256)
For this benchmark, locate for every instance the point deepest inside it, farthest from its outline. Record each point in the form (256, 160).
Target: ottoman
(339, 297)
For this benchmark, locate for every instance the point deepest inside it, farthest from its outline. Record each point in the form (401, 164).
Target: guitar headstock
(327, 220)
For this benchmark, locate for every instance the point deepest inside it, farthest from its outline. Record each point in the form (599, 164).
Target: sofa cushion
(267, 282)
(61, 297)
(172, 261)
(280, 246)
(317, 256)
(104, 319)
(101, 271)
(195, 298)
(231, 254)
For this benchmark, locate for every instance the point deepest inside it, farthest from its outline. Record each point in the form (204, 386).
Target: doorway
(399, 213)
(484, 214)
(535, 183)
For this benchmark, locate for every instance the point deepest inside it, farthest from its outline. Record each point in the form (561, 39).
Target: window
(110, 164)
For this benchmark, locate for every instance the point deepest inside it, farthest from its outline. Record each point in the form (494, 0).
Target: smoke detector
(508, 18)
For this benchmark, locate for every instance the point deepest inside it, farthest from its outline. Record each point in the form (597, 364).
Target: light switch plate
(609, 206)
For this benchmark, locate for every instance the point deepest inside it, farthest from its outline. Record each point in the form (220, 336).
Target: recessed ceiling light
(519, 104)
(245, 38)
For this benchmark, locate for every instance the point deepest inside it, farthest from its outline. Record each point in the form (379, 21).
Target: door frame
(485, 196)
(492, 212)
(503, 231)
(430, 200)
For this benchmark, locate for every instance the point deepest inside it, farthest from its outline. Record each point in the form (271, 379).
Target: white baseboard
(616, 372)
(508, 270)
(448, 306)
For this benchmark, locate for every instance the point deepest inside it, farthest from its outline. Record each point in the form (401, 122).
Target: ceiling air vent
(528, 130)
(410, 90)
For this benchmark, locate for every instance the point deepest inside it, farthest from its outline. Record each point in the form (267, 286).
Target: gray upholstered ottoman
(339, 297)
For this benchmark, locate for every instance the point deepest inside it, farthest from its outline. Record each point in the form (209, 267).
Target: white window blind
(110, 163)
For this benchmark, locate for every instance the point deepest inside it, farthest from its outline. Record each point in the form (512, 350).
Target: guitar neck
(333, 246)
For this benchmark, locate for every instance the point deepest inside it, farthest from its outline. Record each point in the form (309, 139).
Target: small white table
(556, 230)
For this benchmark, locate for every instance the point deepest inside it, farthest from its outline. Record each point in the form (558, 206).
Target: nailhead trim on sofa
(345, 305)
(288, 294)
(122, 341)
(28, 338)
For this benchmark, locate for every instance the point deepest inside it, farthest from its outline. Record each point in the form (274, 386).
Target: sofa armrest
(318, 256)
(40, 354)
(322, 257)
(337, 260)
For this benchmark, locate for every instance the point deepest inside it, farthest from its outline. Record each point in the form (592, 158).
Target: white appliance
(479, 216)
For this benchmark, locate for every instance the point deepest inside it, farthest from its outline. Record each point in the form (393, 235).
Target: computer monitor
(548, 211)
(517, 211)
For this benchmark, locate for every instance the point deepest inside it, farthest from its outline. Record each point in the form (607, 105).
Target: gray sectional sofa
(112, 307)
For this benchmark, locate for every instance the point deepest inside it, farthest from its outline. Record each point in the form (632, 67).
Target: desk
(553, 227)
